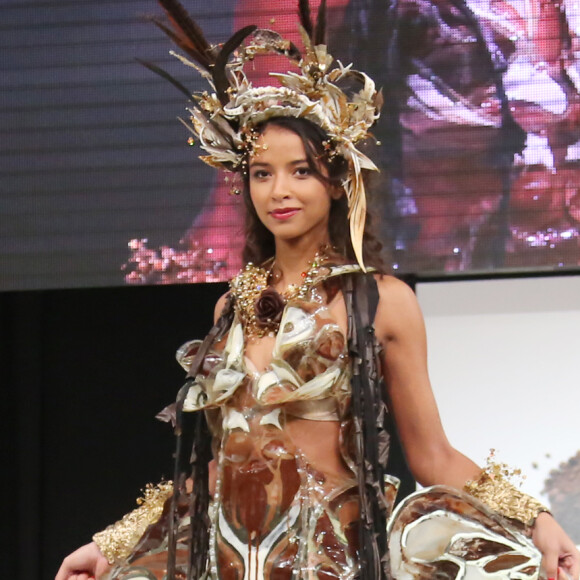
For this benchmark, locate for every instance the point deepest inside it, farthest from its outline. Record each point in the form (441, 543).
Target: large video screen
(479, 138)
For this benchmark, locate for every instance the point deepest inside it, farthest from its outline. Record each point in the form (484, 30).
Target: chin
(295, 233)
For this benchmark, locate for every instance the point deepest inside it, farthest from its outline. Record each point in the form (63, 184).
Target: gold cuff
(494, 489)
(117, 541)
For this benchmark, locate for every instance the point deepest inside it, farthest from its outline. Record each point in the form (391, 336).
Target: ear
(336, 191)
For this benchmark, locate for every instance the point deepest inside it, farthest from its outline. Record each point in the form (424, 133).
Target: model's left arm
(400, 329)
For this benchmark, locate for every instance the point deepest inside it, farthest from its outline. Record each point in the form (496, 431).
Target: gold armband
(493, 488)
(117, 541)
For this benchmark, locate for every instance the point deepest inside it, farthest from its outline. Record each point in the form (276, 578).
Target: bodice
(309, 363)
(309, 366)
(275, 513)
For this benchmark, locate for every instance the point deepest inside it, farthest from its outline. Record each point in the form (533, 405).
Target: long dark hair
(259, 244)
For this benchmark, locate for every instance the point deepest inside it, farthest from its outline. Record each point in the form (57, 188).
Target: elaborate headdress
(224, 119)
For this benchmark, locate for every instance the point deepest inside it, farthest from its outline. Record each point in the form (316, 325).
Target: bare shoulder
(394, 294)
(220, 306)
(398, 308)
(389, 285)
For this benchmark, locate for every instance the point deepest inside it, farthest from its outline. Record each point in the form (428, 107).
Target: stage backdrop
(503, 360)
(479, 138)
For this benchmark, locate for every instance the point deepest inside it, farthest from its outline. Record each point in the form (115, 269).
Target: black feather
(188, 31)
(166, 76)
(201, 58)
(292, 52)
(320, 32)
(219, 74)
(305, 18)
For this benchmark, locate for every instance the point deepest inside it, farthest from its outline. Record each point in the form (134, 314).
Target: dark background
(83, 374)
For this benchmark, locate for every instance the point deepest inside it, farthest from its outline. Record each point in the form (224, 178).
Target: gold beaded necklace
(259, 306)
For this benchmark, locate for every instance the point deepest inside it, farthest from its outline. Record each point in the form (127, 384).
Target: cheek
(256, 199)
(325, 202)
(258, 203)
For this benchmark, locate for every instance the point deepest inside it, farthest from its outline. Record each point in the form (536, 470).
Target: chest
(330, 318)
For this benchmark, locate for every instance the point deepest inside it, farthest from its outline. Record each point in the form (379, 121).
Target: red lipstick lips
(284, 213)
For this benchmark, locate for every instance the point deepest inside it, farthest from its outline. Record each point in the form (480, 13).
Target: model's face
(290, 200)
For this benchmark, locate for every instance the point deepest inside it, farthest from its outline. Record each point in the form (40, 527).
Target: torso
(308, 433)
(285, 502)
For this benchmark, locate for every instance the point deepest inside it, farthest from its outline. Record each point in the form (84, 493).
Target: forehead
(276, 143)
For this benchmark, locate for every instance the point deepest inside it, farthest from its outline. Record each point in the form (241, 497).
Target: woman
(287, 378)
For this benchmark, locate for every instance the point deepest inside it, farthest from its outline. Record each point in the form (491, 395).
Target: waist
(314, 410)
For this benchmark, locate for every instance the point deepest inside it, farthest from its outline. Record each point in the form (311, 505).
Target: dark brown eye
(260, 174)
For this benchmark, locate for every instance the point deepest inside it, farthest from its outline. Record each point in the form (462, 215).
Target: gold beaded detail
(249, 285)
(117, 541)
(493, 488)
(246, 287)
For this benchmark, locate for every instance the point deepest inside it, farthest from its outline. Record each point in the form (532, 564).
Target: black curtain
(83, 374)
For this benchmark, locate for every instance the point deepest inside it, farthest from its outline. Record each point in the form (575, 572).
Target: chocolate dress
(273, 515)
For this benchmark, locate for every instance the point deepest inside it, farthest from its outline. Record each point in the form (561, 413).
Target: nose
(280, 187)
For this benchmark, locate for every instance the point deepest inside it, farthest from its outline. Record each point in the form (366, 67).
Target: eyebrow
(264, 164)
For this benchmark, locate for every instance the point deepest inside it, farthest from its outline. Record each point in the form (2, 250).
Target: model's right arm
(84, 563)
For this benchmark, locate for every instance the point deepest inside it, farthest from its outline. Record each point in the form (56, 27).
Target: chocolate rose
(268, 307)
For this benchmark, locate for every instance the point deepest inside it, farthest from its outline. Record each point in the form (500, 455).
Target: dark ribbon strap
(368, 413)
(192, 456)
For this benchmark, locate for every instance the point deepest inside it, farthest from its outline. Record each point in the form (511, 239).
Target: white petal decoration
(235, 346)
(195, 399)
(295, 326)
(226, 382)
(272, 418)
(319, 387)
(233, 419)
(285, 374)
(267, 380)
